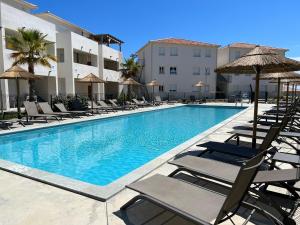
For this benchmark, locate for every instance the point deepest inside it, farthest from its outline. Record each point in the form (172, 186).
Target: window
(173, 70)
(173, 51)
(207, 71)
(173, 88)
(76, 57)
(9, 33)
(237, 54)
(197, 52)
(60, 55)
(196, 71)
(161, 51)
(161, 88)
(208, 53)
(161, 70)
(89, 59)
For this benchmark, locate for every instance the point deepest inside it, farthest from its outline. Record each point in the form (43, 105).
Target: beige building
(231, 84)
(178, 64)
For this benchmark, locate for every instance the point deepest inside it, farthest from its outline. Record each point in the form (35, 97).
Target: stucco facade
(78, 51)
(178, 65)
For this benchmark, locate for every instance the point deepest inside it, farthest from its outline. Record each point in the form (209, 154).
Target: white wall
(105, 74)
(13, 19)
(184, 62)
(68, 69)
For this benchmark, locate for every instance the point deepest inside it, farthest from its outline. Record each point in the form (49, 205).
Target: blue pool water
(102, 151)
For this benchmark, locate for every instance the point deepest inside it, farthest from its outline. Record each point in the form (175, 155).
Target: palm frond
(30, 47)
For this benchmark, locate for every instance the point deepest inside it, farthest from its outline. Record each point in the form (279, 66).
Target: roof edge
(26, 4)
(64, 21)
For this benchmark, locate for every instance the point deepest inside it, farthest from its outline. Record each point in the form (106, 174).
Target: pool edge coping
(104, 193)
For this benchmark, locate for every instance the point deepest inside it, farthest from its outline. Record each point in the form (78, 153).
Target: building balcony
(81, 70)
(111, 75)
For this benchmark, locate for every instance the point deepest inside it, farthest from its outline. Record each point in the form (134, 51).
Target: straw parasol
(91, 78)
(153, 84)
(257, 61)
(130, 82)
(200, 84)
(279, 77)
(17, 73)
(288, 82)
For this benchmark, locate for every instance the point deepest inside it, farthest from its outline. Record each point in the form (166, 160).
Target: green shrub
(71, 102)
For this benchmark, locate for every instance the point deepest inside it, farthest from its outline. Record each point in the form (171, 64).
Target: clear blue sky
(268, 22)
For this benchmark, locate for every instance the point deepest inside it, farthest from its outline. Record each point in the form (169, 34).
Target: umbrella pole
(18, 100)
(293, 86)
(1, 102)
(153, 94)
(199, 94)
(257, 69)
(287, 96)
(278, 96)
(92, 97)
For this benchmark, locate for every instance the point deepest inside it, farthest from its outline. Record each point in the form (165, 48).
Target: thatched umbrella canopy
(130, 82)
(279, 77)
(257, 61)
(91, 78)
(17, 73)
(153, 84)
(200, 84)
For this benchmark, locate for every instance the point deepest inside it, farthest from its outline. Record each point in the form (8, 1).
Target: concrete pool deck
(25, 201)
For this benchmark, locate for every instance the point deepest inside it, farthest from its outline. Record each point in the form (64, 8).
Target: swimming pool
(101, 151)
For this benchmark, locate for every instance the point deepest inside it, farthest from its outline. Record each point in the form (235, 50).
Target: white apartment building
(79, 52)
(16, 14)
(179, 64)
(231, 84)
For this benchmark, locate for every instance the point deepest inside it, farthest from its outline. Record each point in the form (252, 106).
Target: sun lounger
(46, 109)
(146, 102)
(4, 124)
(106, 107)
(7, 124)
(198, 204)
(227, 173)
(95, 108)
(32, 112)
(119, 107)
(61, 107)
(140, 104)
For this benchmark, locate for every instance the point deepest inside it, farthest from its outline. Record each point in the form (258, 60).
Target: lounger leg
(228, 139)
(264, 213)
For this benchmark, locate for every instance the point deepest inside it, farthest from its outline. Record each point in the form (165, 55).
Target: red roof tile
(183, 42)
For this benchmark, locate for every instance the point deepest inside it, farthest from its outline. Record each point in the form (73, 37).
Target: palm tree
(30, 48)
(130, 68)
